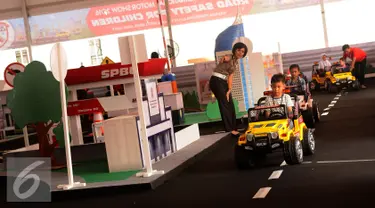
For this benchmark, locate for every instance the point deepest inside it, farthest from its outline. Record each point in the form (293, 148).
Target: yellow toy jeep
(320, 78)
(266, 134)
(342, 77)
(332, 79)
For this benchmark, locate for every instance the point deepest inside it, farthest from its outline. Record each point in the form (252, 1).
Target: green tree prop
(191, 100)
(35, 101)
(213, 112)
(59, 133)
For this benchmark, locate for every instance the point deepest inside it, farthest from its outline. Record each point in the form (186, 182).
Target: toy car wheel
(314, 85)
(355, 85)
(293, 151)
(327, 85)
(308, 118)
(316, 112)
(330, 87)
(244, 158)
(308, 142)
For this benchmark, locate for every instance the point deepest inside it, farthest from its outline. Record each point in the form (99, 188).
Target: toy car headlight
(249, 137)
(274, 135)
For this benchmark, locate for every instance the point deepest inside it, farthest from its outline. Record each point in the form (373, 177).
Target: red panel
(113, 71)
(83, 107)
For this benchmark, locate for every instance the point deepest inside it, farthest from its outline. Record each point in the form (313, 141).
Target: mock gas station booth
(121, 108)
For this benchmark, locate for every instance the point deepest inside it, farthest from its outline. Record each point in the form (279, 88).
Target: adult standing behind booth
(359, 60)
(154, 55)
(221, 86)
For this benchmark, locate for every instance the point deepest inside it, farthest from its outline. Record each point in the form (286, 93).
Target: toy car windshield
(277, 112)
(338, 69)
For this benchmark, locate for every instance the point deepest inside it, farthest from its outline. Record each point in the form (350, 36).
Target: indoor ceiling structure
(11, 9)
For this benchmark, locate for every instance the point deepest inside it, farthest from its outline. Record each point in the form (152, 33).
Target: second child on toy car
(296, 80)
(343, 67)
(278, 97)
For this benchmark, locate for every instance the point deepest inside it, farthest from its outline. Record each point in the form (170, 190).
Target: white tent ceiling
(11, 9)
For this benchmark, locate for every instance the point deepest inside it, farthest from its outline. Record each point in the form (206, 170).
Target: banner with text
(142, 15)
(131, 17)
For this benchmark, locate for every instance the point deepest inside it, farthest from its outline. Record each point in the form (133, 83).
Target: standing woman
(221, 85)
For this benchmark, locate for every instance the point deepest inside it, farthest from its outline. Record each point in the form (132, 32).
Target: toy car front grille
(261, 141)
(270, 124)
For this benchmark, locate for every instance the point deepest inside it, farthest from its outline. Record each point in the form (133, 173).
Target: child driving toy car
(343, 67)
(278, 97)
(298, 83)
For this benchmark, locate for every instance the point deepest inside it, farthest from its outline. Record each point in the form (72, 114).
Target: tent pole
(162, 32)
(324, 23)
(27, 29)
(173, 61)
(28, 35)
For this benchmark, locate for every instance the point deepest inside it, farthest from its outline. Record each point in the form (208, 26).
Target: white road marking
(220, 132)
(336, 98)
(262, 193)
(334, 101)
(338, 95)
(327, 109)
(370, 75)
(331, 105)
(283, 163)
(325, 113)
(306, 162)
(345, 161)
(344, 88)
(275, 174)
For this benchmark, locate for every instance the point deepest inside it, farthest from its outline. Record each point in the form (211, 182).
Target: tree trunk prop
(46, 149)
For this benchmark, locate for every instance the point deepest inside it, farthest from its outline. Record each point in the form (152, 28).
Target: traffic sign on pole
(11, 71)
(59, 69)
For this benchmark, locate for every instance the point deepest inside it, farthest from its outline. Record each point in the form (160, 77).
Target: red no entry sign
(11, 71)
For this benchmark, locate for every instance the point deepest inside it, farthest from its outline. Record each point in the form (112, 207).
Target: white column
(280, 57)
(75, 123)
(324, 23)
(29, 41)
(27, 29)
(112, 90)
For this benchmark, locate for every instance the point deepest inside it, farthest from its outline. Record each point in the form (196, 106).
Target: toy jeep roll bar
(256, 114)
(260, 109)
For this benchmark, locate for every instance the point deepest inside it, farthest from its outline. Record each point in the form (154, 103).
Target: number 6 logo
(22, 178)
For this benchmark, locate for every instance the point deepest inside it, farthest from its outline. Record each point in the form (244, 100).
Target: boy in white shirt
(278, 97)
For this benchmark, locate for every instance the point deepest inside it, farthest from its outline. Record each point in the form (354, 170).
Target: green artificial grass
(193, 118)
(97, 171)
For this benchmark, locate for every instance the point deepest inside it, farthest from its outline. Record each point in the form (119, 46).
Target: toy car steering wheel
(276, 115)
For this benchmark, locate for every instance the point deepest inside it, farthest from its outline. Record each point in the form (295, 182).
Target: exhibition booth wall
(296, 29)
